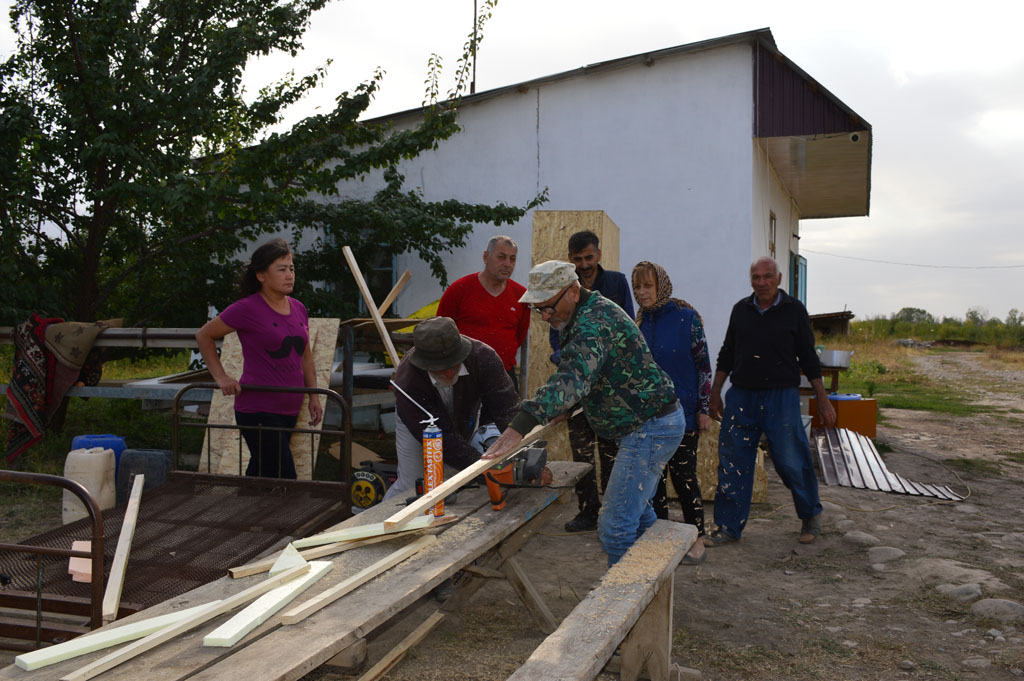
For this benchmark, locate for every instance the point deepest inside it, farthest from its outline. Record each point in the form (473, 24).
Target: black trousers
(270, 455)
(683, 469)
(581, 440)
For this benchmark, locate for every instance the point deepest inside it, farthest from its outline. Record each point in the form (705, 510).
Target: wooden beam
(385, 337)
(115, 581)
(350, 658)
(463, 478)
(208, 613)
(648, 646)
(80, 569)
(399, 285)
(324, 599)
(396, 654)
(260, 610)
(338, 547)
(361, 531)
(103, 638)
(529, 595)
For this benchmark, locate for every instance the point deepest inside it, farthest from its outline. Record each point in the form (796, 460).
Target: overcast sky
(942, 88)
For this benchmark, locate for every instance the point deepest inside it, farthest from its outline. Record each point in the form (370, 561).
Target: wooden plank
(370, 305)
(396, 654)
(463, 478)
(338, 547)
(101, 639)
(264, 607)
(80, 569)
(586, 639)
(395, 290)
(361, 532)
(529, 595)
(324, 599)
(213, 610)
(351, 658)
(115, 581)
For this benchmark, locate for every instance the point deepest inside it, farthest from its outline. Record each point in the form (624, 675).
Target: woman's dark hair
(262, 258)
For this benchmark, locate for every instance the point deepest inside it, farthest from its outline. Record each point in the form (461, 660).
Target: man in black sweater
(768, 342)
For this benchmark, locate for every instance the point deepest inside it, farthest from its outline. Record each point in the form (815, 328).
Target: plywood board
(223, 444)
(551, 232)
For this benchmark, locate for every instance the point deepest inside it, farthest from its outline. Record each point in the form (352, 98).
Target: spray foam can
(433, 464)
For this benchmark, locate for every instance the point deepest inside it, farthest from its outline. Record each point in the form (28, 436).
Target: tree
(913, 315)
(133, 167)
(976, 315)
(1014, 317)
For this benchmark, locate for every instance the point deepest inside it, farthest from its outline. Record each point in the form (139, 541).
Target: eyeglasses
(549, 309)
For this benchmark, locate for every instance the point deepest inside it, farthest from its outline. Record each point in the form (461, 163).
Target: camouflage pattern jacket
(605, 366)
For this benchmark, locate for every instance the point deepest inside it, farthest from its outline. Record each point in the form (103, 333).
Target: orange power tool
(522, 470)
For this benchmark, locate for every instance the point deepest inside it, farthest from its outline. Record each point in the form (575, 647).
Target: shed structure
(706, 155)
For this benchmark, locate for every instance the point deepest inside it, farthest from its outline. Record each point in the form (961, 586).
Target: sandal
(718, 538)
(688, 560)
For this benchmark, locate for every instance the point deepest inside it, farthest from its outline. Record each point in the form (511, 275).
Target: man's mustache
(288, 343)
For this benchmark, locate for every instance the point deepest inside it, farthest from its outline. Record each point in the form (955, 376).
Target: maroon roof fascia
(788, 102)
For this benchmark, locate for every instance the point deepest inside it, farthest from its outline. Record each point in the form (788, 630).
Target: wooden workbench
(274, 652)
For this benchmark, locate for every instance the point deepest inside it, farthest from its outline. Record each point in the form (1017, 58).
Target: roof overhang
(818, 146)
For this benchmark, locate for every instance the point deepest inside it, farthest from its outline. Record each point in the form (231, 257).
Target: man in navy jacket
(585, 254)
(768, 342)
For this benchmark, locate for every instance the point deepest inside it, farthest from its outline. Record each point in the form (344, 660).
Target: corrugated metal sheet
(849, 459)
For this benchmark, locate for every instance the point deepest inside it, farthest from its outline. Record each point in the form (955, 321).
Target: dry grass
(1002, 359)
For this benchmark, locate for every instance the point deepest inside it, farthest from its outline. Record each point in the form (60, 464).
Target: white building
(705, 155)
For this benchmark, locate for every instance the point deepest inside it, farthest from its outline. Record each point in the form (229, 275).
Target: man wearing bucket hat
(607, 368)
(767, 343)
(451, 376)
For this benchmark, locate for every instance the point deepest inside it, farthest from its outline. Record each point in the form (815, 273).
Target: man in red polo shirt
(486, 307)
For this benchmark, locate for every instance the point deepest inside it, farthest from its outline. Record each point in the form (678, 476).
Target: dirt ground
(771, 608)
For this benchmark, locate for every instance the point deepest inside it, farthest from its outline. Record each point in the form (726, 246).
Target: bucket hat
(438, 345)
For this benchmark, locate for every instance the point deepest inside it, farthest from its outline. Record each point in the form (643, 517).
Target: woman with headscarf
(675, 333)
(273, 329)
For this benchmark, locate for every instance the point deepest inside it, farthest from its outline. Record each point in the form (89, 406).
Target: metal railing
(95, 553)
(345, 432)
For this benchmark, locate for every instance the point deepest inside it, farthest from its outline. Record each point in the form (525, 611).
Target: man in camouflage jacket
(607, 368)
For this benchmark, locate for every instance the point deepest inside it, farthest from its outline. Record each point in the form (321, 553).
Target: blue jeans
(626, 512)
(748, 413)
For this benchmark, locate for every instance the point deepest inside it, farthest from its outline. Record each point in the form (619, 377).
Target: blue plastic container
(839, 397)
(155, 464)
(114, 442)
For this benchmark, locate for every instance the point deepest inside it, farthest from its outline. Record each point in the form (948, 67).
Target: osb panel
(323, 337)
(551, 232)
(707, 467)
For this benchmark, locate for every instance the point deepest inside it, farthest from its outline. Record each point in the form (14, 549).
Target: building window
(771, 234)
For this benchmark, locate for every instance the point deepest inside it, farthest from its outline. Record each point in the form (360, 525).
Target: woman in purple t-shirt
(274, 332)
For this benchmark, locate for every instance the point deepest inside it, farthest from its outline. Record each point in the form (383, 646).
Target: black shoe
(583, 522)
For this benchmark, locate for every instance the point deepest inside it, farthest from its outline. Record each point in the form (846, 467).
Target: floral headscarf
(664, 285)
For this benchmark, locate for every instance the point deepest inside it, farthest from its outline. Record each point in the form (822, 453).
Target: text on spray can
(433, 465)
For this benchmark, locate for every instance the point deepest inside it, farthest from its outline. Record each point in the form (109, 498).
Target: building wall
(770, 197)
(665, 150)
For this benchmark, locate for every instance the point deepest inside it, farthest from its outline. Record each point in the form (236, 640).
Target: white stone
(977, 663)
(883, 554)
(908, 664)
(1000, 609)
(845, 525)
(859, 538)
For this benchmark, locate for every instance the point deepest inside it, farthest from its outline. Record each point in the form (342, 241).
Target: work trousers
(748, 414)
(682, 468)
(627, 511)
(581, 440)
(270, 455)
